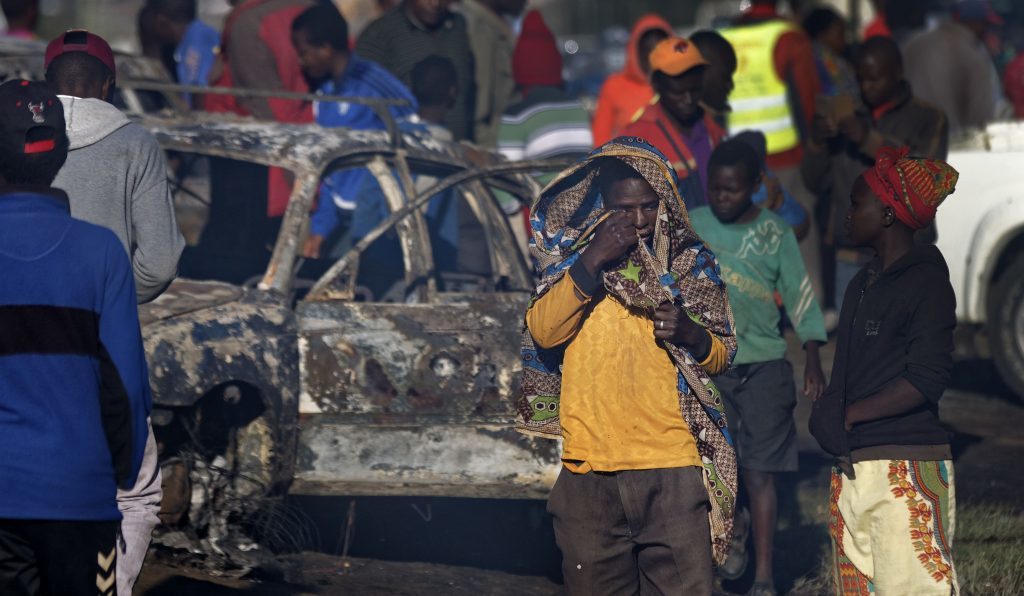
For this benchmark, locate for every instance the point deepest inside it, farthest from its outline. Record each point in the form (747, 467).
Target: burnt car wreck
(348, 375)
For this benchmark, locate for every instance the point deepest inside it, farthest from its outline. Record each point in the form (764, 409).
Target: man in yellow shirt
(629, 321)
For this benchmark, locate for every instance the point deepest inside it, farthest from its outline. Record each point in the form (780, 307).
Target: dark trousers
(633, 532)
(59, 558)
(759, 402)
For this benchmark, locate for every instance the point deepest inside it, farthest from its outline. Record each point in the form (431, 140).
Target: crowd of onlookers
(482, 71)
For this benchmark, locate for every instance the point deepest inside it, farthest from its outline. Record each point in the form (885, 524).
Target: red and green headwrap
(913, 187)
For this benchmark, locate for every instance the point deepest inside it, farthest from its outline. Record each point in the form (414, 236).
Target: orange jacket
(626, 92)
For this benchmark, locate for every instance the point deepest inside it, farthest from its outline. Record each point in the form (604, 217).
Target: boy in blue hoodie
(74, 389)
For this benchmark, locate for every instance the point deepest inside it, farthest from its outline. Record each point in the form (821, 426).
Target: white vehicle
(981, 234)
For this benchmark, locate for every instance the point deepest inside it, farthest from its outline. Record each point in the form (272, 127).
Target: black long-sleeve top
(900, 326)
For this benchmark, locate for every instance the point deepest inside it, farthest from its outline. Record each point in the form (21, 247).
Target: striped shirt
(547, 123)
(398, 42)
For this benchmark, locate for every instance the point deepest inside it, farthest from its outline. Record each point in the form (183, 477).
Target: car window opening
(236, 237)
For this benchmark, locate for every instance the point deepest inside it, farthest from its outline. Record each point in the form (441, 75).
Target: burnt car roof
(306, 147)
(308, 150)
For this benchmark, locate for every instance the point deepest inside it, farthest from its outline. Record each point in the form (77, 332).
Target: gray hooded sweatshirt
(116, 177)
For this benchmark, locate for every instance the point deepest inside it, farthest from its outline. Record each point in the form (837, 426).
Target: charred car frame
(298, 384)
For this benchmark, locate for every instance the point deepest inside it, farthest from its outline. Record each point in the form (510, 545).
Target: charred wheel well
(206, 425)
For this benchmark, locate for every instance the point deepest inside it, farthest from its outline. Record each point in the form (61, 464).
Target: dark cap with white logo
(31, 117)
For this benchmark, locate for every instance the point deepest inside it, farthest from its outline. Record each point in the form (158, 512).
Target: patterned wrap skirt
(891, 528)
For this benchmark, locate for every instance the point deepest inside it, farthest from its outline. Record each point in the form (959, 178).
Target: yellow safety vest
(759, 100)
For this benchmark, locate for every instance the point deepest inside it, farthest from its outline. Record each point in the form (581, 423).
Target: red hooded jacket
(627, 92)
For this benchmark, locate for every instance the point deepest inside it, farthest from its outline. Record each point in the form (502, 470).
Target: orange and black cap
(675, 56)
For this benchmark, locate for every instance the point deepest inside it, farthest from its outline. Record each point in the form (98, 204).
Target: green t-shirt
(758, 259)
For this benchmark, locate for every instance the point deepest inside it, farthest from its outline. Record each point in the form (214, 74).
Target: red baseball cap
(80, 40)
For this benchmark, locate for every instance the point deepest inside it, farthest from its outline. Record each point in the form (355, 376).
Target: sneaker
(736, 563)
(762, 589)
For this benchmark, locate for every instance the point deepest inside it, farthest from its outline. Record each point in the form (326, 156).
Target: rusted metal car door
(417, 397)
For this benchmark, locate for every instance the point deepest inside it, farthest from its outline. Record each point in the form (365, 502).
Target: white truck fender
(1003, 222)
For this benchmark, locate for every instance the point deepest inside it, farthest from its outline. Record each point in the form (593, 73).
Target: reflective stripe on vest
(759, 100)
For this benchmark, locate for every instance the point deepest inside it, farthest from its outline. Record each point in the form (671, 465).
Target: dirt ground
(459, 551)
(316, 573)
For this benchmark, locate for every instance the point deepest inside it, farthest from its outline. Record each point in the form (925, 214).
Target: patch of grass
(976, 522)
(990, 568)
(988, 548)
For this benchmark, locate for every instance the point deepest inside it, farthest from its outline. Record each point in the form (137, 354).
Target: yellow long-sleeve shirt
(619, 406)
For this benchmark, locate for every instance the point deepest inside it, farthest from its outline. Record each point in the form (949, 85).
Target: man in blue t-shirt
(320, 37)
(195, 55)
(192, 43)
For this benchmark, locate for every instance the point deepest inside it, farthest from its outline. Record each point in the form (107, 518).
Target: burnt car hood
(188, 295)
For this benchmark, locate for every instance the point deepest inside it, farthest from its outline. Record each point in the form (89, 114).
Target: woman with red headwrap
(892, 499)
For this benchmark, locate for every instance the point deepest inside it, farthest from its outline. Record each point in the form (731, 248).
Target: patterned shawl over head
(675, 267)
